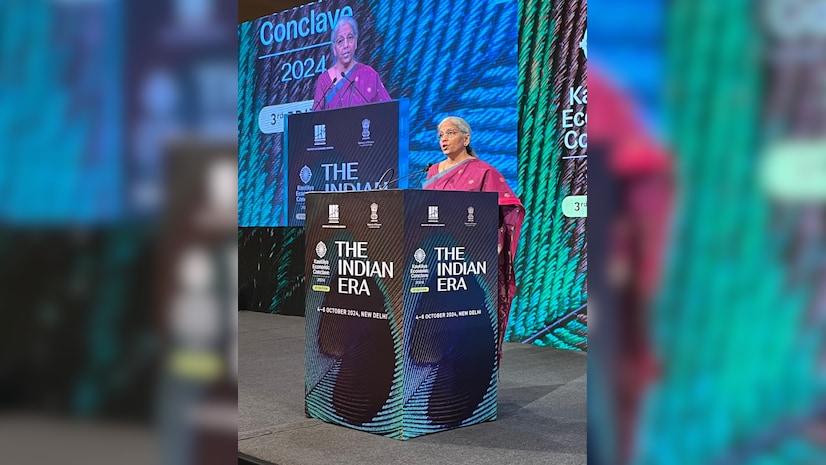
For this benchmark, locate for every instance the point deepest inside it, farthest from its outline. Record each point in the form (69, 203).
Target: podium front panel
(344, 149)
(401, 315)
(450, 324)
(354, 310)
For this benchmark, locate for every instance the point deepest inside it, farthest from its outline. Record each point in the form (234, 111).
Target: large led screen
(443, 58)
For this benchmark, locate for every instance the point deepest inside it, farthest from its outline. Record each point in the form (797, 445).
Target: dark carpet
(542, 409)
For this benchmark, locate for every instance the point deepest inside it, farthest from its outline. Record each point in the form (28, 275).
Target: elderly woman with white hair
(463, 171)
(347, 82)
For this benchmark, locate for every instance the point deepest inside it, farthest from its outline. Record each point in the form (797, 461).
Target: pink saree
(476, 175)
(361, 87)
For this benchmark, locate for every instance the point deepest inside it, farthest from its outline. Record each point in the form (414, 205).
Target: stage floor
(542, 409)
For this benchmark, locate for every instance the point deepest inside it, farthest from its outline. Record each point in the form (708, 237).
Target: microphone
(324, 97)
(353, 87)
(419, 172)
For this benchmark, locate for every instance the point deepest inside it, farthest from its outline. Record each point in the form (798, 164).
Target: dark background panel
(271, 270)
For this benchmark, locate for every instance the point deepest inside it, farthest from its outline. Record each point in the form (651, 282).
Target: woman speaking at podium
(347, 82)
(463, 171)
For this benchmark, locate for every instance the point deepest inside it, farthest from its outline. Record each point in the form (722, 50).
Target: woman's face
(345, 44)
(452, 141)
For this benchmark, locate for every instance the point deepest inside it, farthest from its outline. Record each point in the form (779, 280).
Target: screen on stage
(440, 58)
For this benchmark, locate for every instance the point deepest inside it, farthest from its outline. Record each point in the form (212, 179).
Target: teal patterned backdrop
(551, 265)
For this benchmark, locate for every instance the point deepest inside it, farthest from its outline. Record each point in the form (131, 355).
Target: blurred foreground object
(631, 188)
(739, 323)
(197, 281)
(108, 250)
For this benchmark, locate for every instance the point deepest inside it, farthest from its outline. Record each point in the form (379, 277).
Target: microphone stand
(388, 171)
(353, 86)
(420, 172)
(324, 97)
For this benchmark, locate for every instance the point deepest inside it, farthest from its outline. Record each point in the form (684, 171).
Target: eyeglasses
(350, 38)
(449, 133)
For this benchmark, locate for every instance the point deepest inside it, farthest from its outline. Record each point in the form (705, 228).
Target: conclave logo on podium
(321, 249)
(321, 269)
(305, 174)
(419, 272)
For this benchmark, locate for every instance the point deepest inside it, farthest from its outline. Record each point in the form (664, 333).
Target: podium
(343, 149)
(400, 311)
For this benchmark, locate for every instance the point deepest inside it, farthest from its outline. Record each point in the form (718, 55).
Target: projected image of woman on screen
(462, 170)
(347, 82)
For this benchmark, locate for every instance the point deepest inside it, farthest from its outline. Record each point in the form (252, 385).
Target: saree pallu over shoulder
(434, 176)
(476, 175)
